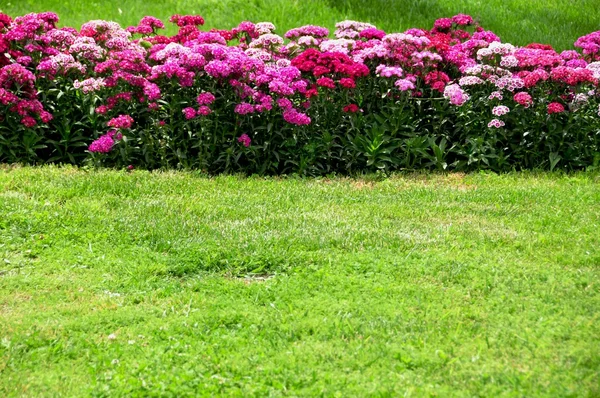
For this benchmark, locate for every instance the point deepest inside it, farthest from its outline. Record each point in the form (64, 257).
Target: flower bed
(248, 100)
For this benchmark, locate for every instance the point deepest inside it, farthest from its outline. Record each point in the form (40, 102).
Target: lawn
(116, 283)
(176, 284)
(558, 22)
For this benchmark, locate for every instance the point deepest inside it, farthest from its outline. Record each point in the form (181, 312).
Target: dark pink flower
(372, 33)
(187, 20)
(205, 99)
(326, 82)
(121, 122)
(102, 109)
(28, 121)
(347, 82)
(555, 107)
(352, 108)
(189, 113)
(244, 108)
(523, 99)
(442, 24)
(462, 19)
(204, 111)
(103, 144)
(245, 140)
(46, 116)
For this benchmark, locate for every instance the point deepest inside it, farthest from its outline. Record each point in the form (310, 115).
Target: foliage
(247, 100)
(416, 284)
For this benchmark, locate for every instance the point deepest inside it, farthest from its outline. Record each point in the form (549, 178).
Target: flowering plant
(249, 100)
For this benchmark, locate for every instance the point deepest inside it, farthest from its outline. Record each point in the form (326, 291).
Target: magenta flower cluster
(103, 144)
(245, 140)
(121, 122)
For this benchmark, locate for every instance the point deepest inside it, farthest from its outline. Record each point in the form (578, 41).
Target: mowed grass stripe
(419, 284)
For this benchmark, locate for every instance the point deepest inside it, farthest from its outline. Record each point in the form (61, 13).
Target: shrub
(245, 100)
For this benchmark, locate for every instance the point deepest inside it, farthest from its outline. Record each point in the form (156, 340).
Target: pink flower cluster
(89, 85)
(351, 29)
(148, 25)
(245, 140)
(307, 30)
(187, 20)
(104, 144)
(590, 44)
(524, 99)
(563, 77)
(121, 122)
(555, 107)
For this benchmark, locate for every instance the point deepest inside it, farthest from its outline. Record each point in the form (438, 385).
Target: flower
(462, 20)
(347, 82)
(496, 123)
(555, 107)
(244, 108)
(470, 81)
(437, 80)
(264, 28)
(496, 95)
(307, 30)
(187, 20)
(267, 41)
(189, 113)
(103, 144)
(500, 110)
(284, 103)
(28, 121)
(351, 29)
(205, 98)
(326, 82)
(46, 116)
(404, 84)
(16, 74)
(245, 140)
(590, 44)
(337, 46)
(89, 85)
(121, 122)
(443, 24)
(372, 33)
(147, 25)
(351, 108)
(523, 98)
(204, 111)
(294, 117)
(389, 71)
(455, 94)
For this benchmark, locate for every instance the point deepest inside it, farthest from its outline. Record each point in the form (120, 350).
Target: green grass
(559, 22)
(416, 285)
(448, 285)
